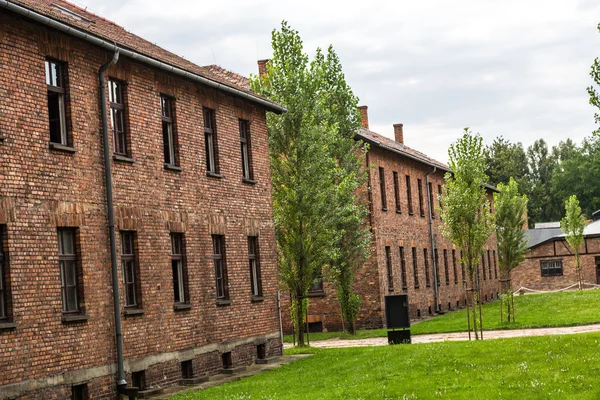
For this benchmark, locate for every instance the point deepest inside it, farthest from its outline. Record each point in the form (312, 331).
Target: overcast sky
(516, 68)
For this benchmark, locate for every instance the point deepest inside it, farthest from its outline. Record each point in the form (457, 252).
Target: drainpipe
(121, 382)
(432, 243)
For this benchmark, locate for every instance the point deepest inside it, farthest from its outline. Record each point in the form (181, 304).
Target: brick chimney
(262, 67)
(399, 133)
(364, 116)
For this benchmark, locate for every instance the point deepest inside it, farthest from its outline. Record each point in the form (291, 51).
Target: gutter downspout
(432, 242)
(121, 382)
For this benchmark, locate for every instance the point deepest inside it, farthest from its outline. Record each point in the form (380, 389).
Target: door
(598, 270)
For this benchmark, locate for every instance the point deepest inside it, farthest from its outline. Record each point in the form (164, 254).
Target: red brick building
(550, 263)
(194, 244)
(403, 190)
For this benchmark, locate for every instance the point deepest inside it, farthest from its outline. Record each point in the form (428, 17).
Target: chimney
(399, 133)
(364, 116)
(262, 67)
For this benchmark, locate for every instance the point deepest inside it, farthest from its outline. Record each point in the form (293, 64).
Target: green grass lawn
(551, 367)
(533, 311)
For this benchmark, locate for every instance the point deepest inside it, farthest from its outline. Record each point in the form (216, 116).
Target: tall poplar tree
(317, 168)
(465, 210)
(572, 226)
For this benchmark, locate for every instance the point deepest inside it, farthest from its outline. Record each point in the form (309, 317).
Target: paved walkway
(441, 337)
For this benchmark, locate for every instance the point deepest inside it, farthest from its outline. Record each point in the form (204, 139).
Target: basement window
(138, 379)
(227, 360)
(551, 267)
(79, 392)
(187, 369)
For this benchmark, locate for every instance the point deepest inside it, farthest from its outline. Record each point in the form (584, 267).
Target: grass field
(551, 367)
(532, 311)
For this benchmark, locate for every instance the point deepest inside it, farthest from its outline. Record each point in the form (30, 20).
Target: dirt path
(441, 337)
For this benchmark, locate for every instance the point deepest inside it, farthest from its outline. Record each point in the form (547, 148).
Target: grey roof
(537, 236)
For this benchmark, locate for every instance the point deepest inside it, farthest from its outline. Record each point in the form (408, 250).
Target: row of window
(408, 193)
(58, 112)
(70, 270)
(449, 258)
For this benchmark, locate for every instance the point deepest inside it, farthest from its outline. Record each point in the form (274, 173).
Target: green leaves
(511, 209)
(572, 226)
(317, 168)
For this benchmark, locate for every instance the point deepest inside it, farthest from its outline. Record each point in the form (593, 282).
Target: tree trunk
(300, 320)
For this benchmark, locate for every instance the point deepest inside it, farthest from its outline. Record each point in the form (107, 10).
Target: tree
(505, 160)
(313, 180)
(511, 217)
(352, 248)
(465, 210)
(572, 226)
(592, 90)
(541, 168)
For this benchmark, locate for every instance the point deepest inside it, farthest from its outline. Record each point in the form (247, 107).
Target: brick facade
(396, 227)
(529, 273)
(44, 189)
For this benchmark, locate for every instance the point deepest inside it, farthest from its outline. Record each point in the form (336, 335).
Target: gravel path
(441, 337)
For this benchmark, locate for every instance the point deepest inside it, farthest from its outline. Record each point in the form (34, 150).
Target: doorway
(598, 270)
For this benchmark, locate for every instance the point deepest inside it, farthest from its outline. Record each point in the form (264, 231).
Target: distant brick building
(193, 212)
(550, 264)
(403, 190)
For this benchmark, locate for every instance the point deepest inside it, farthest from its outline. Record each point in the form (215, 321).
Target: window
(130, 272)
(69, 276)
(382, 189)
(483, 266)
(403, 268)
(187, 369)
(440, 196)
(489, 263)
(220, 267)
(551, 267)
(495, 265)
(409, 195)
(317, 285)
(420, 189)
(388, 265)
(117, 116)
(253, 260)
(79, 392)
(169, 134)
(4, 295)
(178, 266)
(446, 269)
(57, 116)
(210, 141)
(397, 193)
(138, 379)
(415, 267)
(437, 266)
(246, 150)
(454, 267)
(430, 190)
(426, 261)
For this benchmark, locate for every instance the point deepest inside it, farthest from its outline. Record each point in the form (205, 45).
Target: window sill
(256, 299)
(411, 213)
(404, 288)
(422, 215)
(391, 290)
(316, 294)
(398, 212)
(6, 326)
(67, 318)
(132, 312)
(223, 302)
(181, 306)
(172, 167)
(123, 158)
(213, 174)
(62, 147)
(249, 181)
(383, 208)
(416, 286)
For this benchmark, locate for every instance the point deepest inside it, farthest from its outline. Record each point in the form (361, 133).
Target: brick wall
(42, 189)
(528, 273)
